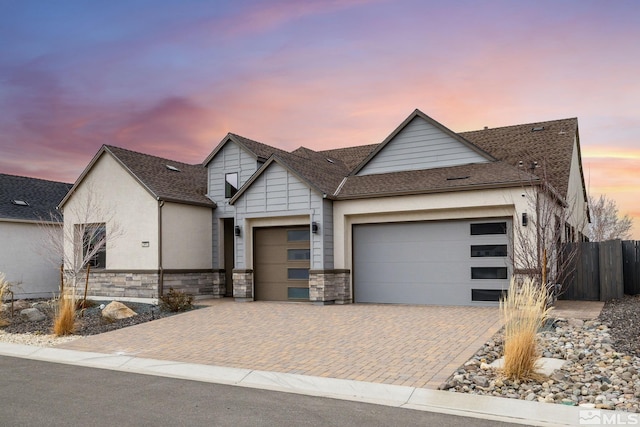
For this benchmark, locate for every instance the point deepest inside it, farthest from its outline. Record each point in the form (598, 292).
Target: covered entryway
(431, 262)
(281, 263)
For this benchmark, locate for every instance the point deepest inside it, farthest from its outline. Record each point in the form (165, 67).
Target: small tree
(539, 250)
(606, 222)
(80, 245)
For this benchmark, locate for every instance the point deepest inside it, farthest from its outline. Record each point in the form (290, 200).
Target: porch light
(525, 219)
(314, 227)
(237, 230)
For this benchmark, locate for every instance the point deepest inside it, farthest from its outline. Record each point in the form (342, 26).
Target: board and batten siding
(231, 158)
(421, 145)
(276, 195)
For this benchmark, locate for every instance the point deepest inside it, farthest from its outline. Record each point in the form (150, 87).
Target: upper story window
(230, 184)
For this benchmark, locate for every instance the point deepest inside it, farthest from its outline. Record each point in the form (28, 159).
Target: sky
(172, 78)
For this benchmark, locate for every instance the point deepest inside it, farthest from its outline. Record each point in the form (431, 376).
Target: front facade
(30, 227)
(427, 216)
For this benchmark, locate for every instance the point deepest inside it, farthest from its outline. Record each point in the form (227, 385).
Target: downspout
(160, 269)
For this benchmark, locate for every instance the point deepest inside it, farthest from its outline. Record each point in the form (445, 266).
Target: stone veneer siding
(243, 285)
(329, 286)
(144, 284)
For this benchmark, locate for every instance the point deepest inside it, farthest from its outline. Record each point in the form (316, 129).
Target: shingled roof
(331, 172)
(549, 143)
(164, 179)
(30, 199)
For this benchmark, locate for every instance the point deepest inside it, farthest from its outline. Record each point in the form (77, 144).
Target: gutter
(160, 268)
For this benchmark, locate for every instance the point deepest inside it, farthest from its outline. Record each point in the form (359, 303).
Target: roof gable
(421, 143)
(164, 179)
(257, 149)
(40, 197)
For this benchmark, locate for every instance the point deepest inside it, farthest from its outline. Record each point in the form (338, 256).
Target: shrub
(524, 311)
(176, 301)
(64, 322)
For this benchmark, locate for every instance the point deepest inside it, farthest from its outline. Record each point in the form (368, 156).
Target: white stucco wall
(186, 236)
(23, 262)
(119, 197)
(429, 207)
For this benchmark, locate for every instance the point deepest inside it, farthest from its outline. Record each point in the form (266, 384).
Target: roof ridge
(519, 125)
(39, 179)
(151, 155)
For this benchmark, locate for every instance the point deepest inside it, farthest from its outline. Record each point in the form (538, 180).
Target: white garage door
(435, 262)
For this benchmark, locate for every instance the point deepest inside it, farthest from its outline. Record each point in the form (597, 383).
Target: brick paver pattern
(418, 346)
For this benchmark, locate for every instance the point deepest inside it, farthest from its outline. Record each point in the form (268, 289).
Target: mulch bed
(89, 320)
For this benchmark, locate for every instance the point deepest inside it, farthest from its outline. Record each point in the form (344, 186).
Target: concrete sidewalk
(484, 407)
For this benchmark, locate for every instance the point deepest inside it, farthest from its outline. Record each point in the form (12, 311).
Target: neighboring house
(27, 205)
(427, 216)
(165, 218)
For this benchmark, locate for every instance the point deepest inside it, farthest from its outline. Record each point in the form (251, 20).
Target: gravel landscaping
(89, 322)
(601, 368)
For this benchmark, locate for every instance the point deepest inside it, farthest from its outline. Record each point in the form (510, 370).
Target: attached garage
(282, 261)
(432, 262)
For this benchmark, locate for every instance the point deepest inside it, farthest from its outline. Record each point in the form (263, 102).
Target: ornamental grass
(524, 311)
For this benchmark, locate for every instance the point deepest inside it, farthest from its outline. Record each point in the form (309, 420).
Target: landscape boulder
(116, 310)
(32, 315)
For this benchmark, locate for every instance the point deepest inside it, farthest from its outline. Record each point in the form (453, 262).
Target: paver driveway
(418, 346)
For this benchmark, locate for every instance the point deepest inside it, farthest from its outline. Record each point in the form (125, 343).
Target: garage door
(281, 264)
(435, 262)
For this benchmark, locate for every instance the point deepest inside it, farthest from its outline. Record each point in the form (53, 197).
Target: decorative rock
(481, 381)
(116, 310)
(530, 397)
(575, 323)
(32, 315)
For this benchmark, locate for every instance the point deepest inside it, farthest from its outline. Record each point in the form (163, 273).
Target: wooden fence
(602, 271)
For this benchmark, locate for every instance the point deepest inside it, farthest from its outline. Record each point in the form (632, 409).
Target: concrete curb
(467, 405)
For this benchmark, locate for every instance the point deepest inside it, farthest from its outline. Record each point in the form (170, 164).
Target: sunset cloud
(172, 80)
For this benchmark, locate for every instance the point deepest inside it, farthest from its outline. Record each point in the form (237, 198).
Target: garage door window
(298, 254)
(298, 273)
(297, 235)
(488, 250)
(298, 293)
(484, 228)
(488, 272)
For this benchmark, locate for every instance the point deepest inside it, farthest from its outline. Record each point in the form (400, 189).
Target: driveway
(417, 346)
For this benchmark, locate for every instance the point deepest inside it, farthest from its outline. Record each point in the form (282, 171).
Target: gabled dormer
(231, 164)
(421, 143)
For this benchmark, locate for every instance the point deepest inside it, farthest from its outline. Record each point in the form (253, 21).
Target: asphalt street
(35, 393)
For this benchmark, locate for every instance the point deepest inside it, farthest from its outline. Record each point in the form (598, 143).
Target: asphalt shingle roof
(187, 185)
(551, 147)
(41, 196)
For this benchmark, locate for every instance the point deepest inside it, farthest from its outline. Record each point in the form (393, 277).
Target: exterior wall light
(525, 219)
(314, 227)
(237, 231)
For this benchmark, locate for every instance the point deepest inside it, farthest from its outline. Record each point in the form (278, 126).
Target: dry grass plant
(64, 322)
(524, 311)
(5, 287)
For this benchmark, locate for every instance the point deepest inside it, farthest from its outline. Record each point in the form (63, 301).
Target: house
(27, 207)
(164, 214)
(427, 216)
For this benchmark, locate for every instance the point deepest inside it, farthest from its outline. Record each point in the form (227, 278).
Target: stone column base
(243, 285)
(329, 287)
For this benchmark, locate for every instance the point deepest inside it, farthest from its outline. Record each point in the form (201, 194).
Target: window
(297, 235)
(298, 254)
(487, 294)
(488, 228)
(488, 272)
(230, 184)
(19, 202)
(94, 245)
(488, 250)
(298, 273)
(298, 293)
